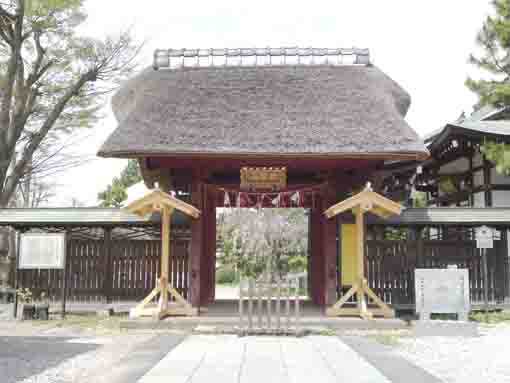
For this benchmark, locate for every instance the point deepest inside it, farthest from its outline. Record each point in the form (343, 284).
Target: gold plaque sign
(263, 178)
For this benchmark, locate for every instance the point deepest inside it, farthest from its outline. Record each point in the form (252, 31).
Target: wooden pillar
(329, 247)
(316, 261)
(420, 261)
(165, 256)
(212, 244)
(471, 180)
(501, 265)
(504, 237)
(197, 240)
(65, 275)
(209, 247)
(360, 239)
(16, 274)
(108, 276)
(330, 259)
(487, 183)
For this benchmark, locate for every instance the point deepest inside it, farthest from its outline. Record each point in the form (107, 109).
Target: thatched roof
(300, 110)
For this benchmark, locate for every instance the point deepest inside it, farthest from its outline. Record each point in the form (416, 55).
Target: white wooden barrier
(272, 307)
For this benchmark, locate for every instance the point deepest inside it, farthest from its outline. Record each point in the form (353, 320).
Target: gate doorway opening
(260, 243)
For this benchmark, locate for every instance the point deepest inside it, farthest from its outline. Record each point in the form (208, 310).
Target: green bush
(225, 275)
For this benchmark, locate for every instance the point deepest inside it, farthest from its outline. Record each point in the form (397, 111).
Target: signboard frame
(24, 258)
(263, 178)
(484, 237)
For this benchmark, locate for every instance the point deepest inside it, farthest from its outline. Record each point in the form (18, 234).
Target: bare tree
(52, 82)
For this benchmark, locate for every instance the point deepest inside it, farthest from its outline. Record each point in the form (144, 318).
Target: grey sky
(423, 45)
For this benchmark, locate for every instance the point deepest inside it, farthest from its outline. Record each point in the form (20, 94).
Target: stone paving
(228, 358)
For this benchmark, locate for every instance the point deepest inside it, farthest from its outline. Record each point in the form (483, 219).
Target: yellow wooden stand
(165, 204)
(365, 201)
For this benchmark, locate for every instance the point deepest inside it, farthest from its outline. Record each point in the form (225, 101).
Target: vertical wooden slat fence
(390, 267)
(267, 306)
(129, 274)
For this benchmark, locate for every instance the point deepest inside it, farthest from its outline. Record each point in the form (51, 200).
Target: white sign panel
(42, 251)
(442, 291)
(484, 237)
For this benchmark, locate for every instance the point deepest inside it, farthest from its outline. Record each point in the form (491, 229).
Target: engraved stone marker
(442, 291)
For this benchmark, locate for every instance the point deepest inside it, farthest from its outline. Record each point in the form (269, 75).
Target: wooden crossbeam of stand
(170, 302)
(361, 203)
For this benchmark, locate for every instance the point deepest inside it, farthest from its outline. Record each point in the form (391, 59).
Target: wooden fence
(126, 269)
(390, 265)
(267, 306)
(128, 273)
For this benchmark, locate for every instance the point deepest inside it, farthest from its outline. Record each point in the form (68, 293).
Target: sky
(423, 45)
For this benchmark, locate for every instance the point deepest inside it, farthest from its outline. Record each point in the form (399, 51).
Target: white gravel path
(457, 359)
(93, 365)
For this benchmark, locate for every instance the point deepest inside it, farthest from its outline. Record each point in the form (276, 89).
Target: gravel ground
(80, 350)
(461, 359)
(92, 366)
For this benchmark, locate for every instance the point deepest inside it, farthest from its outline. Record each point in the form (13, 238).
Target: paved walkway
(227, 358)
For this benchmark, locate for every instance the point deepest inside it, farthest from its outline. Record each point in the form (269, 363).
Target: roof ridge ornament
(178, 58)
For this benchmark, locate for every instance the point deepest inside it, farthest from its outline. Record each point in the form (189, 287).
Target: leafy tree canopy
(494, 59)
(494, 41)
(115, 193)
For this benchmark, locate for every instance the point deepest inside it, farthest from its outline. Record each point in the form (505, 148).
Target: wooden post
(108, 277)
(500, 265)
(485, 283)
(165, 257)
(212, 245)
(16, 276)
(318, 268)
(471, 179)
(197, 245)
(487, 183)
(360, 238)
(506, 264)
(64, 275)
(165, 242)
(241, 304)
(419, 248)
(209, 247)
(330, 257)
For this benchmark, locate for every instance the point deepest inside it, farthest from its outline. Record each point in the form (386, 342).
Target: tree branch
(18, 170)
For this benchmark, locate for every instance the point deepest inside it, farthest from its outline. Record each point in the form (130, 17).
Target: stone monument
(442, 291)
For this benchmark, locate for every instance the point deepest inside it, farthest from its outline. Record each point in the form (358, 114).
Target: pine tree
(115, 193)
(494, 40)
